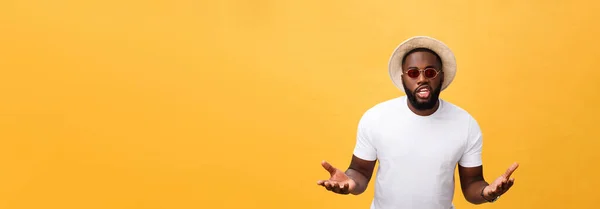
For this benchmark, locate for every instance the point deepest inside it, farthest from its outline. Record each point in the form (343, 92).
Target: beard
(429, 104)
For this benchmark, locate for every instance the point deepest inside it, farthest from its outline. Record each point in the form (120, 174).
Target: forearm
(360, 179)
(473, 191)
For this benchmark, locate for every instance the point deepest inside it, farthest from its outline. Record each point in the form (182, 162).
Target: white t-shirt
(417, 154)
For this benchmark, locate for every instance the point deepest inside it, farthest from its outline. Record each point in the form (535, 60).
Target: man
(418, 139)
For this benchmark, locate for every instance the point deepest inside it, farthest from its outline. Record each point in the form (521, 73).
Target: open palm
(502, 184)
(339, 182)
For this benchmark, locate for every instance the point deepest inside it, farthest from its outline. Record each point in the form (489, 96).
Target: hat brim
(447, 56)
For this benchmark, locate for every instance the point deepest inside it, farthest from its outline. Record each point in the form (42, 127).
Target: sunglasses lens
(430, 73)
(412, 73)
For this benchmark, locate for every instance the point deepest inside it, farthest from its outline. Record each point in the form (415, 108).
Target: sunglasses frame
(422, 72)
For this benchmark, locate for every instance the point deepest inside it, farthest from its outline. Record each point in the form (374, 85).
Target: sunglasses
(429, 73)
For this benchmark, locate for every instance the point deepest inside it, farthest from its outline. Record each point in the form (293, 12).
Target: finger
(505, 185)
(510, 170)
(511, 182)
(497, 190)
(344, 188)
(321, 182)
(336, 187)
(328, 167)
(328, 185)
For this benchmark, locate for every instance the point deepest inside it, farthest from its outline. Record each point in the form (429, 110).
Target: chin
(422, 101)
(426, 105)
(423, 104)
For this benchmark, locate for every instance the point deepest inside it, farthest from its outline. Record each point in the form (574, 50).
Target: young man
(418, 139)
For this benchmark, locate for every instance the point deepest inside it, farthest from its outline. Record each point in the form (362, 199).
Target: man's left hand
(501, 184)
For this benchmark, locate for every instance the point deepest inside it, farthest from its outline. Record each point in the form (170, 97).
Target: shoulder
(385, 107)
(456, 111)
(462, 116)
(382, 110)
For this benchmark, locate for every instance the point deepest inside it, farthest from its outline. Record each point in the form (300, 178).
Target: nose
(421, 79)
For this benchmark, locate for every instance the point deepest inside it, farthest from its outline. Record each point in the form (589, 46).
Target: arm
(472, 183)
(360, 171)
(356, 178)
(474, 187)
(477, 191)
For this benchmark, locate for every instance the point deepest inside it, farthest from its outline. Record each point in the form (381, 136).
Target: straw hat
(447, 56)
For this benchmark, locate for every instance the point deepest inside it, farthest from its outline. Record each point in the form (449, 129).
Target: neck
(426, 112)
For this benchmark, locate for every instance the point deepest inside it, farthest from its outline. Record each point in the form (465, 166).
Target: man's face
(422, 92)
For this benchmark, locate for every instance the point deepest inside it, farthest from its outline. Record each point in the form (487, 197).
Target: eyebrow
(428, 66)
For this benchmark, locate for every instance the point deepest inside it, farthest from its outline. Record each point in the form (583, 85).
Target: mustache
(421, 87)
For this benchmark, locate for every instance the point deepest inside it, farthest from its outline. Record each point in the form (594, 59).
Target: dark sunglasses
(429, 73)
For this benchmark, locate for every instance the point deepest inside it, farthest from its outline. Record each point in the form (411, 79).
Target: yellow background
(233, 104)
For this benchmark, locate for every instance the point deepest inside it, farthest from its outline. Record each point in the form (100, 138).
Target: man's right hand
(339, 182)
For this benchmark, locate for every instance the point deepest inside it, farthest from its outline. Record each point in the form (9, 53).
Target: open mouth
(423, 92)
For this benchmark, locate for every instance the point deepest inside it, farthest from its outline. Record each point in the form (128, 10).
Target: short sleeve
(472, 155)
(364, 148)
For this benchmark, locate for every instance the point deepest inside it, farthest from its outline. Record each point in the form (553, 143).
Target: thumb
(328, 167)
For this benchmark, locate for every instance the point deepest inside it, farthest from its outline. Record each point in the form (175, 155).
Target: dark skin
(358, 175)
(422, 60)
